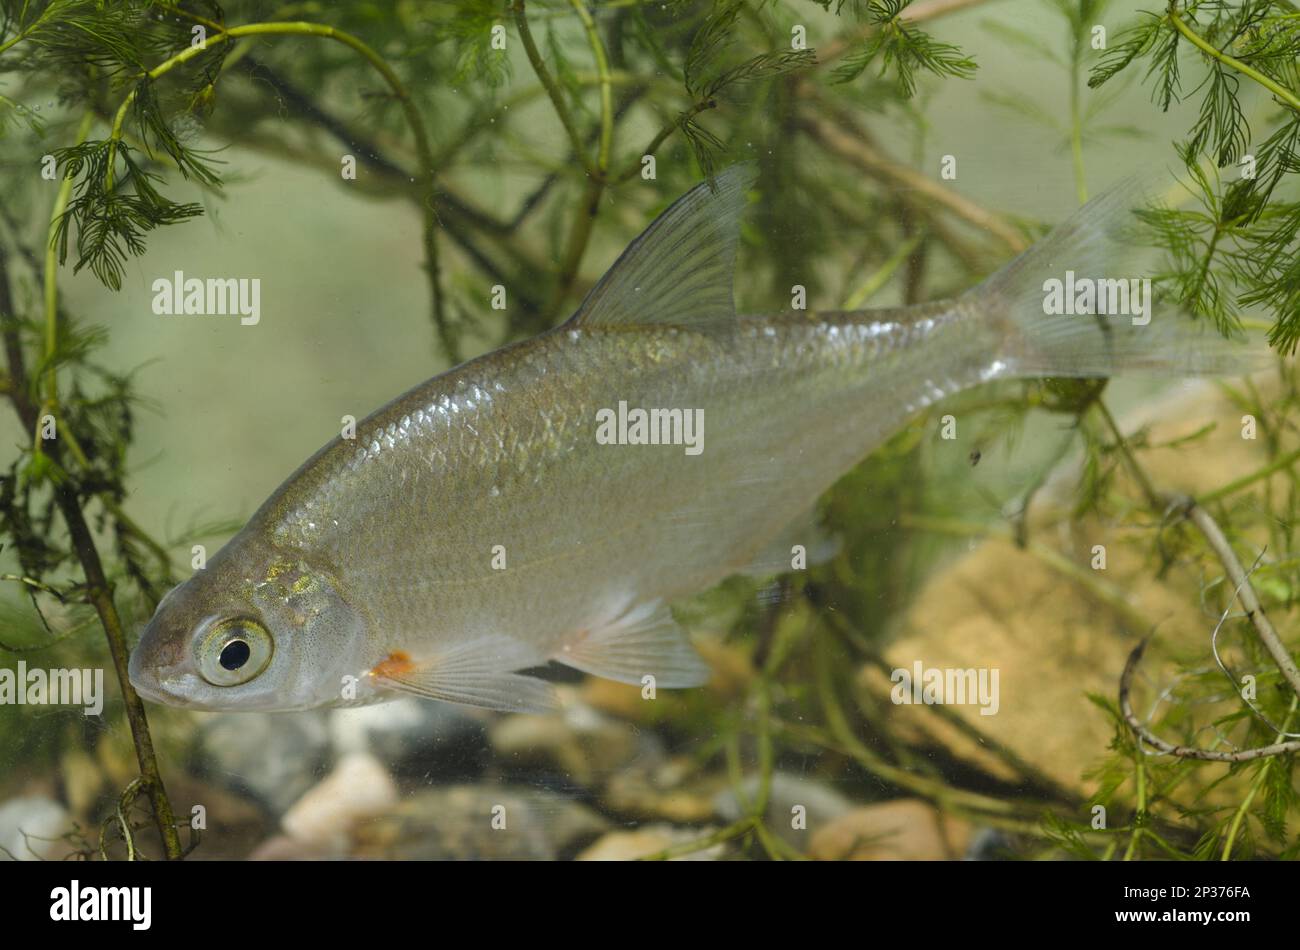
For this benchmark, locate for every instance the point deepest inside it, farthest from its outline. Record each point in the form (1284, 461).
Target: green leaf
(904, 48)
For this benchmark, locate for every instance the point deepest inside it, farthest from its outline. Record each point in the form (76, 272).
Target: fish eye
(235, 652)
(234, 655)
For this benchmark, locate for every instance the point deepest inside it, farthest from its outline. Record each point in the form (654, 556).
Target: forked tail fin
(1078, 303)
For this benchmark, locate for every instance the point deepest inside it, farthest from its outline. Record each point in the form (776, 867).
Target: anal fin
(643, 640)
(477, 673)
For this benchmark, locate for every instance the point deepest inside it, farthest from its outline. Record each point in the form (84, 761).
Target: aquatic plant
(620, 92)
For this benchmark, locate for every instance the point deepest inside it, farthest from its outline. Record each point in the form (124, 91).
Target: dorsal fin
(682, 268)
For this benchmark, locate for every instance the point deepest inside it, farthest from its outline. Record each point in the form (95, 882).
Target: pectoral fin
(642, 641)
(477, 673)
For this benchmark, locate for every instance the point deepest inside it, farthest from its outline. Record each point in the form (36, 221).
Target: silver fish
(516, 510)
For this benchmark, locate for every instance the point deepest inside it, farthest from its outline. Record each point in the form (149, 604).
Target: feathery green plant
(580, 99)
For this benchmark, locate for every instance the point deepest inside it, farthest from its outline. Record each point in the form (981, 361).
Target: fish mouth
(141, 681)
(148, 683)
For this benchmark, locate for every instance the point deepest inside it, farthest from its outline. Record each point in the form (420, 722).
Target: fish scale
(374, 570)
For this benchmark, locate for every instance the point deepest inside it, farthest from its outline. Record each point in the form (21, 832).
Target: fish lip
(150, 694)
(145, 682)
(140, 681)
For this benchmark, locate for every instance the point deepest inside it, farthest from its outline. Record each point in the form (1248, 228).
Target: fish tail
(1078, 303)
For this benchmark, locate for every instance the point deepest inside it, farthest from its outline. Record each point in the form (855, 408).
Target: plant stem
(838, 726)
(1282, 93)
(1240, 580)
(1139, 816)
(1196, 513)
(51, 396)
(1138, 474)
(1238, 819)
(22, 35)
(606, 92)
(420, 133)
(1285, 461)
(1076, 124)
(634, 166)
(98, 591)
(283, 29)
(552, 89)
(845, 143)
(1183, 751)
(915, 13)
(877, 279)
(576, 245)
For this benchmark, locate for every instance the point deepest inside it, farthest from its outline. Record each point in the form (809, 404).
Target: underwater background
(973, 551)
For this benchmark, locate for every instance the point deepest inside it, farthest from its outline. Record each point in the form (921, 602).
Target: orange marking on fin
(394, 665)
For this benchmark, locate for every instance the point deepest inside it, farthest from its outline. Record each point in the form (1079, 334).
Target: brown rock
(901, 830)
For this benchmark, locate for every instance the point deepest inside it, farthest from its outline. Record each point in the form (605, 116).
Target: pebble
(643, 842)
(472, 822)
(31, 828)
(359, 787)
(905, 829)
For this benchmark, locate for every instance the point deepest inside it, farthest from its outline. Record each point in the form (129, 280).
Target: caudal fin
(1078, 303)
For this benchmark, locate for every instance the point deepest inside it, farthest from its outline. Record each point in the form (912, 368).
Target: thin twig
(1183, 751)
(857, 151)
(1218, 542)
(552, 88)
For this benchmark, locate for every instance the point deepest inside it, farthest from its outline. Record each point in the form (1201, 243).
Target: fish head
(253, 630)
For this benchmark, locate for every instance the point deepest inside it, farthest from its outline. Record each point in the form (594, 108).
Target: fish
(549, 501)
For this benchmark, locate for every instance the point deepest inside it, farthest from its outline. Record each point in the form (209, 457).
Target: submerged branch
(855, 150)
(98, 591)
(552, 88)
(1183, 751)
(1184, 506)
(1188, 508)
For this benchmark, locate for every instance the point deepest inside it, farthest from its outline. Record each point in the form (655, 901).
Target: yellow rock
(1053, 641)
